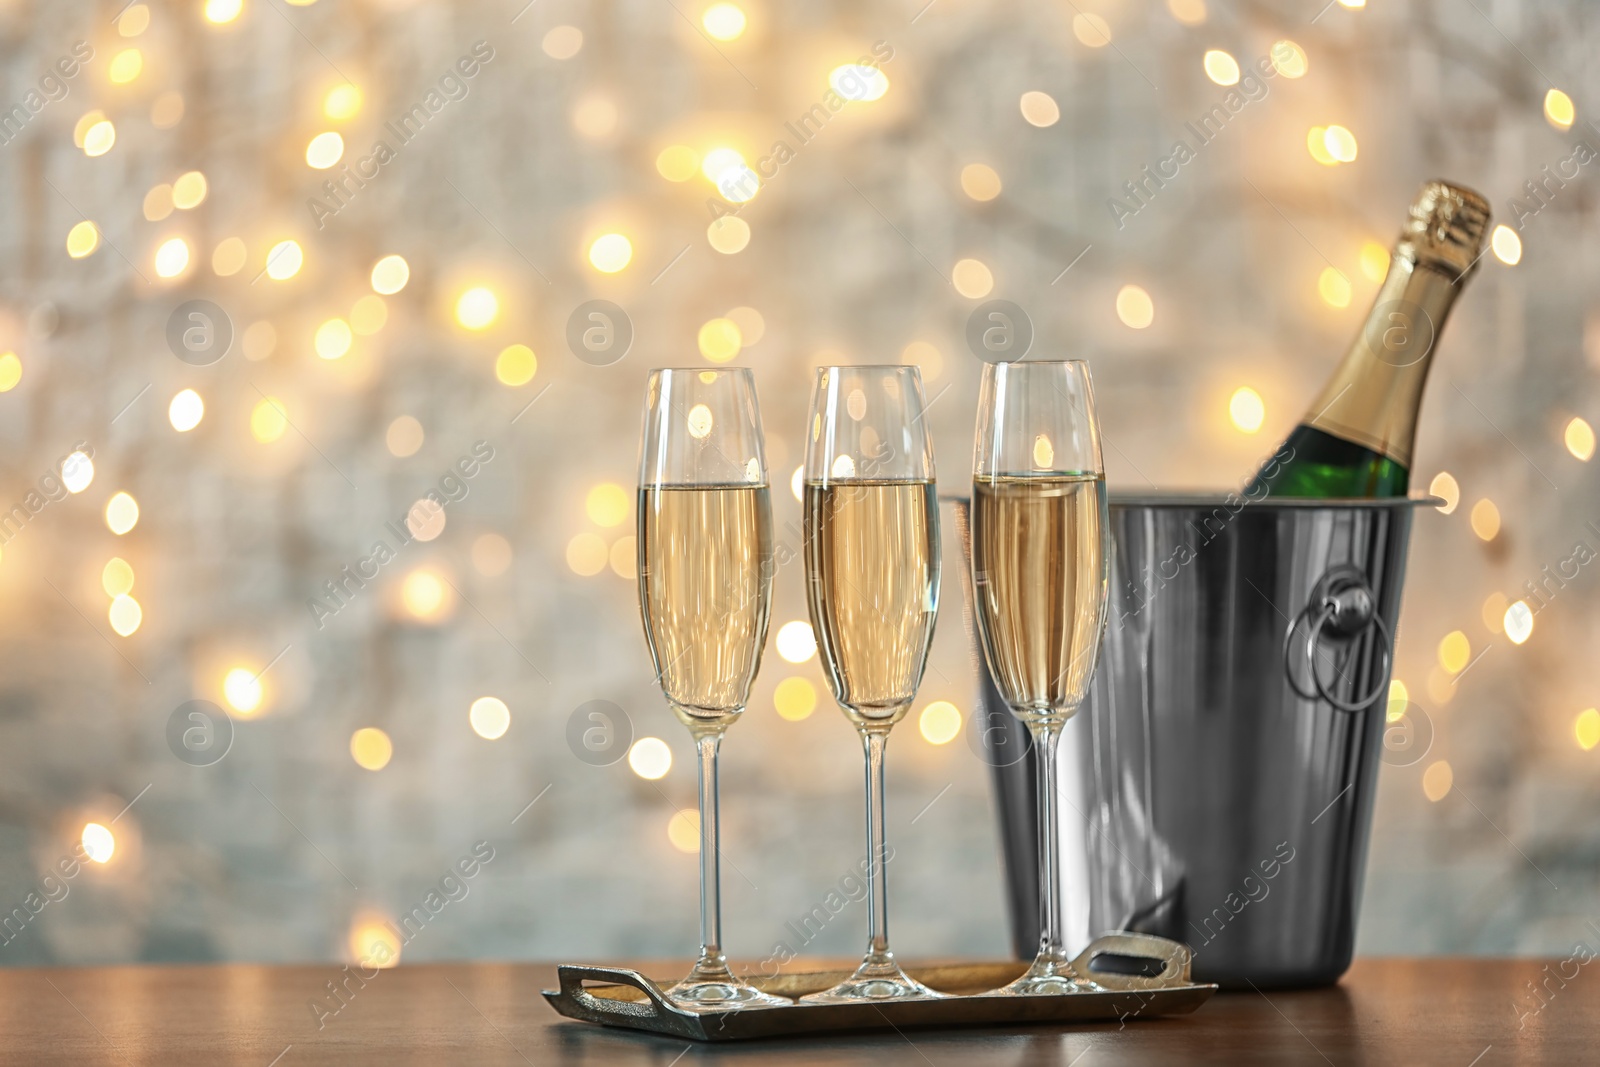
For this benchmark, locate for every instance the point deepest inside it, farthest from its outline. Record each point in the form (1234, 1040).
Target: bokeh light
(333, 339)
(10, 371)
(796, 641)
(1039, 108)
(729, 234)
(650, 758)
(1586, 728)
(515, 365)
(795, 699)
(1507, 246)
(477, 308)
(940, 722)
(125, 615)
(1558, 109)
(1135, 307)
(343, 102)
(186, 410)
(268, 420)
(243, 690)
(562, 42)
(610, 253)
(1090, 29)
(172, 258)
(99, 843)
(1437, 780)
(1578, 436)
(1444, 487)
(489, 718)
(725, 22)
(587, 554)
(390, 274)
(424, 595)
(189, 190)
(683, 830)
(1221, 67)
(324, 150)
(371, 748)
(1518, 622)
(284, 261)
(1334, 288)
(83, 239)
(719, 340)
(122, 513)
(972, 278)
(1485, 519)
(116, 577)
(1246, 410)
(607, 504)
(678, 163)
(1454, 651)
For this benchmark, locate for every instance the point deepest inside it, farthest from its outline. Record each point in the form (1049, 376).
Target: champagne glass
(1039, 534)
(705, 590)
(872, 583)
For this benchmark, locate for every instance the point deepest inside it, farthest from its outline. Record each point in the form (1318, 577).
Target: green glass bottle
(1357, 436)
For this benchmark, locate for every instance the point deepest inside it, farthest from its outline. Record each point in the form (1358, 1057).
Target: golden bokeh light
(516, 365)
(390, 274)
(221, 11)
(371, 748)
(1441, 686)
(1507, 246)
(172, 258)
(1039, 108)
(489, 718)
(972, 278)
(284, 261)
(83, 239)
(424, 595)
(1494, 612)
(1437, 780)
(1340, 143)
(728, 234)
(752, 327)
(189, 190)
(324, 150)
(980, 181)
(1135, 307)
(86, 122)
(116, 577)
(125, 615)
(1090, 29)
(1586, 728)
(1445, 487)
(158, 202)
(724, 21)
(1578, 436)
(1485, 519)
(796, 641)
(1374, 261)
(587, 555)
(122, 513)
(678, 163)
(342, 103)
(795, 699)
(1317, 145)
(1558, 109)
(333, 339)
(227, 259)
(940, 722)
(610, 252)
(99, 843)
(1289, 59)
(1455, 651)
(10, 371)
(268, 420)
(1246, 410)
(1334, 288)
(368, 314)
(186, 410)
(624, 557)
(1518, 622)
(650, 758)
(133, 20)
(683, 830)
(1221, 67)
(404, 436)
(1399, 697)
(720, 340)
(125, 66)
(77, 471)
(1188, 12)
(607, 504)
(477, 308)
(491, 555)
(562, 42)
(374, 943)
(859, 83)
(243, 690)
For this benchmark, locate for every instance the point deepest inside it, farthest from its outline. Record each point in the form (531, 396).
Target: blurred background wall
(587, 157)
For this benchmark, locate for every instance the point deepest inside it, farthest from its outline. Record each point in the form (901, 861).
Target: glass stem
(712, 964)
(1046, 739)
(878, 955)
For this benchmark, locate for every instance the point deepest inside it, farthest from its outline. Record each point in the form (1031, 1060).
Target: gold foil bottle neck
(1445, 228)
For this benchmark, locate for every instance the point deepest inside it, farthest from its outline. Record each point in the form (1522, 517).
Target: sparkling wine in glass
(872, 582)
(705, 591)
(1039, 569)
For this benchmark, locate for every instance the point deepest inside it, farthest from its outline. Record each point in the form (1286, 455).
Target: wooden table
(1456, 1012)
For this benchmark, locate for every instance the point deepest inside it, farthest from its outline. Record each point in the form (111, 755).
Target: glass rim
(1040, 363)
(701, 370)
(870, 366)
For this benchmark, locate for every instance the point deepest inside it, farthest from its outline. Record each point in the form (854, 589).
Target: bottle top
(1445, 228)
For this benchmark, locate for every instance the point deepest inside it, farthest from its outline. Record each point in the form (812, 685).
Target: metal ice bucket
(1218, 784)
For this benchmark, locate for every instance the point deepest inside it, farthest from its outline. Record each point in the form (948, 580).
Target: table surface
(1458, 1012)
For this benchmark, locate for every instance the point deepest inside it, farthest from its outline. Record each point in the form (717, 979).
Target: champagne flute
(705, 590)
(1039, 569)
(872, 583)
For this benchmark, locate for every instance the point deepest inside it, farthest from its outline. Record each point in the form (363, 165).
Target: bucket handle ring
(1344, 604)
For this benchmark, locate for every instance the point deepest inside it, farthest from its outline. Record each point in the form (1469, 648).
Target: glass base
(1048, 978)
(875, 980)
(716, 988)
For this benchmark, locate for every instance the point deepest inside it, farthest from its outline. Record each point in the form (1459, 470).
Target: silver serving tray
(625, 998)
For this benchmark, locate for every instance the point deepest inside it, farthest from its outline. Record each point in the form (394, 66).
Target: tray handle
(572, 977)
(1174, 957)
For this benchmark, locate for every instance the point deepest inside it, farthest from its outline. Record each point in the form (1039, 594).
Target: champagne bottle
(1357, 436)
